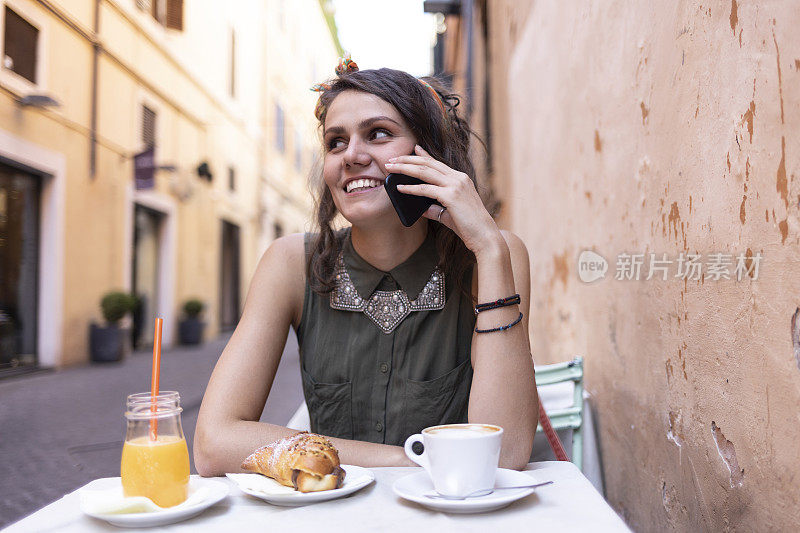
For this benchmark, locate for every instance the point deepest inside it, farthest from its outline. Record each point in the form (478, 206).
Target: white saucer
(414, 487)
(273, 492)
(210, 492)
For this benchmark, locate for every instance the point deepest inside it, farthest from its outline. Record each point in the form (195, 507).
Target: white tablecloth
(570, 504)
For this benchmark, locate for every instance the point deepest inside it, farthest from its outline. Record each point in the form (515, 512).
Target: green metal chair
(569, 417)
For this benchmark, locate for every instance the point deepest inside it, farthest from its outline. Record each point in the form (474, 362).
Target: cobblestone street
(62, 429)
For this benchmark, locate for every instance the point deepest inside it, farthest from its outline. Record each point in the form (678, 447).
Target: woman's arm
(228, 429)
(227, 425)
(503, 387)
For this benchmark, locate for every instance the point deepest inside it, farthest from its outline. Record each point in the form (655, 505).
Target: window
(20, 43)
(232, 77)
(148, 127)
(175, 14)
(168, 13)
(231, 179)
(298, 150)
(280, 141)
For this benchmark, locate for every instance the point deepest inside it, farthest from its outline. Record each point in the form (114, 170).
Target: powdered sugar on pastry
(305, 461)
(281, 447)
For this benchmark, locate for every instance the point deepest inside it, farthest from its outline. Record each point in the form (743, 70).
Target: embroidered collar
(411, 275)
(387, 309)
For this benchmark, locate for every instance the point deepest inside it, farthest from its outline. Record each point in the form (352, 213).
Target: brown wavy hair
(445, 136)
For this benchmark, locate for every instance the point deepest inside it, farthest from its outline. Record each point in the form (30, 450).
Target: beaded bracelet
(501, 328)
(502, 302)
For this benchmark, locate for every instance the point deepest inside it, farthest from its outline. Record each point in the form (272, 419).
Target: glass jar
(155, 458)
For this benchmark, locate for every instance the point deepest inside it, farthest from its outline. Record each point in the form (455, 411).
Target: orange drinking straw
(154, 380)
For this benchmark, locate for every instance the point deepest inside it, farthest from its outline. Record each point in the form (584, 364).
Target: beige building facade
(195, 81)
(301, 36)
(627, 128)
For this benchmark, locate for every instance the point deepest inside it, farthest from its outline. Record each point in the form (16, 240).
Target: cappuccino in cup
(461, 431)
(459, 458)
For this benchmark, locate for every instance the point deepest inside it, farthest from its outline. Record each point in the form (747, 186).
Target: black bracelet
(501, 328)
(502, 302)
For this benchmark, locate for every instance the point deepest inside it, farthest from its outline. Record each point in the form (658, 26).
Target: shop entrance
(229, 277)
(20, 194)
(146, 266)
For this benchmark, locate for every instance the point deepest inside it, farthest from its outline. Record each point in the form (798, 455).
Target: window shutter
(21, 40)
(175, 14)
(145, 5)
(148, 127)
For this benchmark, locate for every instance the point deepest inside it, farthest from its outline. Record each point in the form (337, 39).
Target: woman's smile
(362, 185)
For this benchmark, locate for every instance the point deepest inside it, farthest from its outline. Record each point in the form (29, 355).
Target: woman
(389, 342)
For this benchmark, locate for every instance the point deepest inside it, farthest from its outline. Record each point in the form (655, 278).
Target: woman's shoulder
(289, 248)
(520, 258)
(515, 244)
(280, 276)
(283, 262)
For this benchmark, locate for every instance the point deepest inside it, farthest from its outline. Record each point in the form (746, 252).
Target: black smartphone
(409, 207)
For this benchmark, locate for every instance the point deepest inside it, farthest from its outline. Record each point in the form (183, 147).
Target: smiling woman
(384, 315)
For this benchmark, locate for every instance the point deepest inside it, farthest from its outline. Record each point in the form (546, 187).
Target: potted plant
(106, 344)
(190, 329)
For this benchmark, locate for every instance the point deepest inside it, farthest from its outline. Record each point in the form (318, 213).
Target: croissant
(305, 461)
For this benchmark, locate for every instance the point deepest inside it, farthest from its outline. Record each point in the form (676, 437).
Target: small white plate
(414, 487)
(212, 492)
(273, 492)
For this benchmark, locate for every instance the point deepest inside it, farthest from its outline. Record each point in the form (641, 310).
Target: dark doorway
(229, 277)
(19, 266)
(146, 268)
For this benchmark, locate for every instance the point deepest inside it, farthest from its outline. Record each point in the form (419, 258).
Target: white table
(570, 504)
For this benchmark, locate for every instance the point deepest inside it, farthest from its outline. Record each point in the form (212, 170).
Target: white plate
(210, 492)
(273, 492)
(414, 487)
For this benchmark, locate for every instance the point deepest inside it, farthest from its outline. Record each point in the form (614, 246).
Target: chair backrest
(570, 417)
(561, 372)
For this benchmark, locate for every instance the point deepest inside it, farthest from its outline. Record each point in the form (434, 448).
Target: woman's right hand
(463, 210)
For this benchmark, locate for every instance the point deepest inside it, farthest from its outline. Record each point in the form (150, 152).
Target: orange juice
(156, 469)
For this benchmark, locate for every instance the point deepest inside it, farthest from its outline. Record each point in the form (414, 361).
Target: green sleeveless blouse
(361, 382)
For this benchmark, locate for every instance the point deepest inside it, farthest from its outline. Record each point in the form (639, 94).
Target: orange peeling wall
(668, 127)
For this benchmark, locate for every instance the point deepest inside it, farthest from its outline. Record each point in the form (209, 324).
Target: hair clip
(320, 87)
(346, 65)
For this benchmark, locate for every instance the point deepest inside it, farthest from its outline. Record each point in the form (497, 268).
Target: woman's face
(362, 132)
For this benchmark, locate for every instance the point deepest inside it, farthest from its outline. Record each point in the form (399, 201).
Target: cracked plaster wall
(668, 127)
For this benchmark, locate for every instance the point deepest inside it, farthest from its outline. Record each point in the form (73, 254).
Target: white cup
(459, 458)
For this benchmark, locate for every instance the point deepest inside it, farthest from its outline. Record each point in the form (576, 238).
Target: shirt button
(384, 368)
(378, 427)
